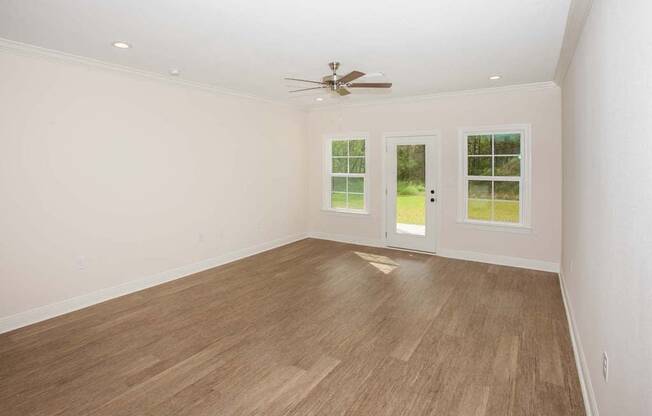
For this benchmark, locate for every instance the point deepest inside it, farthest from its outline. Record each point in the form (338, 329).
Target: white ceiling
(248, 46)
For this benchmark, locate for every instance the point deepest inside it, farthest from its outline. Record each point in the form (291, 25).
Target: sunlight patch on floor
(382, 263)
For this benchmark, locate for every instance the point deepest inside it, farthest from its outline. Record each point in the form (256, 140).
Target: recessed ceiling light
(319, 99)
(174, 72)
(121, 45)
(495, 77)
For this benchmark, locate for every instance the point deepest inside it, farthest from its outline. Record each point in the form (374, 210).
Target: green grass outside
(504, 211)
(338, 200)
(410, 203)
(411, 209)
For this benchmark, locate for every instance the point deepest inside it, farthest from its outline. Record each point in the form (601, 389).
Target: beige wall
(539, 107)
(108, 177)
(607, 210)
(126, 177)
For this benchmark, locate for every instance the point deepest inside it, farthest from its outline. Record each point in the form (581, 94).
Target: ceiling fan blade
(351, 76)
(342, 91)
(308, 89)
(303, 80)
(374, 74)
(371, 85)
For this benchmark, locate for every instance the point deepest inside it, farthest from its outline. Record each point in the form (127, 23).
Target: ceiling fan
(341, 85)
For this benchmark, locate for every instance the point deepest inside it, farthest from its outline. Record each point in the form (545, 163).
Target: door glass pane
(506, 201)
(479, 200)
(410, 189)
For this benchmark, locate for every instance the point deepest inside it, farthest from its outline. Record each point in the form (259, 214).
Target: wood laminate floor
(311, 328)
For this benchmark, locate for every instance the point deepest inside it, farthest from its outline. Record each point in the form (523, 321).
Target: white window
(345, 181)
(494, 186)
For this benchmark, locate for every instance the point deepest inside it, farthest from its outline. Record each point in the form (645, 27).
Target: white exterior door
(411, 202)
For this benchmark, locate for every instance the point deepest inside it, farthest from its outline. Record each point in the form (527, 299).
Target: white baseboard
(69, 305)
(453, 254)
(521, 262)
(346, 239)
(590, 405)
(42, 313)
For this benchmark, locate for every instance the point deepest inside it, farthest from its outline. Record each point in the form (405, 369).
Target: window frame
(328, 173)
(524, 179)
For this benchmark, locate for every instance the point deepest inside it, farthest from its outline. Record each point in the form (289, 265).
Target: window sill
(497, 226)
(346, 212)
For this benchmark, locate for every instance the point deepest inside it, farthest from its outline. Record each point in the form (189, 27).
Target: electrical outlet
(605, 367)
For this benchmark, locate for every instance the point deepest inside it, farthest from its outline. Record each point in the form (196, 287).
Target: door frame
(437, 147)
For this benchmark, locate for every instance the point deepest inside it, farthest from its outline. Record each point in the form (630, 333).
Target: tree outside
(411, 184)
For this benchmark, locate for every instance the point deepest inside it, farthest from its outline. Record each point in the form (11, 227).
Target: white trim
(577, 14)
(7, 45)
(525, 178)
(345, 213)
(534, 86)
(496, 226)
(327, 174)
(383, 216)
(519, 262)
(590, 404)
(42, 313)
(33, 50)
(341, 238)
(541, 265)
(412, 133)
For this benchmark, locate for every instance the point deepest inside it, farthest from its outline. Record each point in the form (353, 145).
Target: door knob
(432, 191)
(432, 199)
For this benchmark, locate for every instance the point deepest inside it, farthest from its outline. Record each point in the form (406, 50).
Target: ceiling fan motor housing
(331, 80)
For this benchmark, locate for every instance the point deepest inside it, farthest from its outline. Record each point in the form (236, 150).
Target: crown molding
(577, 14)
(534, 86)
(7, 45)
